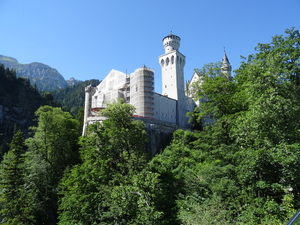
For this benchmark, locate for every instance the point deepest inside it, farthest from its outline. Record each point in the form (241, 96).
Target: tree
(52, 150)
(268, 80)
(219, 101)
(110, 187)
(15, 208)
(243, 161)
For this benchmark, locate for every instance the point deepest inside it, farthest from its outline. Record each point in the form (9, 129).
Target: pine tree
(15, 209)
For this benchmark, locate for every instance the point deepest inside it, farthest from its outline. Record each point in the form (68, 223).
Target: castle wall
(164, 108)
(160, 134)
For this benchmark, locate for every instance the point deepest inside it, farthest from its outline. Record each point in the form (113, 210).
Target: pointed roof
(225, 62)
(225, 59)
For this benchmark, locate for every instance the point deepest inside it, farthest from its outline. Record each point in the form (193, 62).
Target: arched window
(167, 61)
(172, 59)
(162, 63)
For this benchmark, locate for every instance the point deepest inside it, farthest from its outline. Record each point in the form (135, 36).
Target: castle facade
(137, 89)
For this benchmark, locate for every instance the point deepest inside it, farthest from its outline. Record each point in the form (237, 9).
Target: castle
(137, 89)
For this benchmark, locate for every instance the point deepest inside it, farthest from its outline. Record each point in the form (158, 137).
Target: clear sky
(86, 39)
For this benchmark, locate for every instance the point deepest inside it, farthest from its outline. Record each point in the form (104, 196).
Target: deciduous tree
(52, 150)
(110, 187)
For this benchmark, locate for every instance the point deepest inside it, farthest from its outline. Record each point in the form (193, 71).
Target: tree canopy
(110, 181)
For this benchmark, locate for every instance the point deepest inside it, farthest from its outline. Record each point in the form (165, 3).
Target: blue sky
(86, 39)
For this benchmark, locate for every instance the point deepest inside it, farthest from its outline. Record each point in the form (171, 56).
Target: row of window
(168, 61)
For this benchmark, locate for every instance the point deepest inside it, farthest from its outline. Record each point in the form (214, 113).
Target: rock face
(17, 112)
(39, 74)
(72, 81)
(160, 134)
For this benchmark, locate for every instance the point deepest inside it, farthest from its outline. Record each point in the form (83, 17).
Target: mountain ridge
(43, 76)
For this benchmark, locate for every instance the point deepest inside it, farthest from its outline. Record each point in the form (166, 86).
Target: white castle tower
(172, 64)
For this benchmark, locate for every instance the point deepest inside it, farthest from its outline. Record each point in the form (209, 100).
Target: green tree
(110, 187)
(244, 159)
(268, 132)
(80, 118)
(15, 208)
(52, 150)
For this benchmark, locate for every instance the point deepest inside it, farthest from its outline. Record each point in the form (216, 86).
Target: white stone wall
(164, 108)
(172, 65)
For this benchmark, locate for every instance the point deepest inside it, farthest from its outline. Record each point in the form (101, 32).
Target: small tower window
(167, 61)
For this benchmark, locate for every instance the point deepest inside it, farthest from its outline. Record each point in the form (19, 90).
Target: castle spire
(226, 67)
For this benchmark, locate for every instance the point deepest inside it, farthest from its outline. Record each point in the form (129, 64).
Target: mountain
(43, 76)
(73, 97)
(18, 103)
(72, 81)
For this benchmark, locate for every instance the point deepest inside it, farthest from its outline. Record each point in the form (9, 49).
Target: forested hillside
(18, 102)
(73, 97)
(240, 167)
(42, 76)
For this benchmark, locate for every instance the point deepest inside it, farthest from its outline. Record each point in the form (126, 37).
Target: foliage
(110, 187)
(18, 102)
(52, 150)
(244, 160)
(73, 97)
(15, 208)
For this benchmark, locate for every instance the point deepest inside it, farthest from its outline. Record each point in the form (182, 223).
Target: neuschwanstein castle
(137, 89)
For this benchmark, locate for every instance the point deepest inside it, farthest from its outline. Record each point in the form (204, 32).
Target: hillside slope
(43, 76)
(73, 97)
(18, 102)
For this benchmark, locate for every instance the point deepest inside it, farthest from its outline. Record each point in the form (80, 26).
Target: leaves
(110, 186)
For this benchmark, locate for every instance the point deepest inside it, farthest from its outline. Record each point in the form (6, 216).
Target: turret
(226, 67)
(141, 91)
(171, 43)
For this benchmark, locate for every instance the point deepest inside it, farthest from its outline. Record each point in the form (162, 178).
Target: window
(167, 61)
